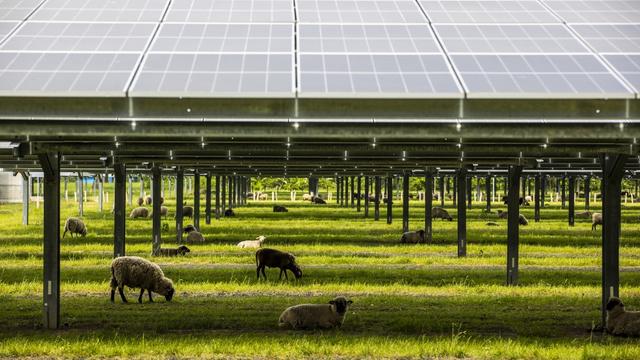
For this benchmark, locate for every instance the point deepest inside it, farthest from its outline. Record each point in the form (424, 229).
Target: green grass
(410, 301)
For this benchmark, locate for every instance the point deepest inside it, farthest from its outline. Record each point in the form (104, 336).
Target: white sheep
(621, 322)
(312, 316)
(136, 272)
(252, 243)
(596, 219)
(139, 212)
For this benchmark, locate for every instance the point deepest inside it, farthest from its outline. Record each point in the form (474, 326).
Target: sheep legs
(142, 293)
(285, 274)
(258, 272)
(124, 299)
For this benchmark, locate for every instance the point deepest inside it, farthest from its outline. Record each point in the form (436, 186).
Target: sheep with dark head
(315, 316)
(189, 228)
(440, 213)
(181, 250)
(148, 200)
(187, 211)
(194, 237)
(74, 226)
(621, 322)
(229, 213)
(278, 208)
(275, 258)
(318, 200)
(136, 272)
(413, 237)
(140, 201)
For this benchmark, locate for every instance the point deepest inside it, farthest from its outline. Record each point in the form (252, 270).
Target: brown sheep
(596, 219)
(75, 226)
(275, 258)
(139, 212)
(181, 250)
(621, 322)
(412, 237)
(440, 213)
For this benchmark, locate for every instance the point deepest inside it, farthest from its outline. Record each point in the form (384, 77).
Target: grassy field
(410, 301)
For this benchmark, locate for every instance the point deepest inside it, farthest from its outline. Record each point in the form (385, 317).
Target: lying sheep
(596, 219)
(314, 316)
(164, 211)
(187, 211)
(275, 258)
(189, 228)
(140, 201)
(229, 212)
(252, 243)
(583, 215)
(278, 208)
(181, 250)
(412, 237)
(307, 197)
(318, 200)
(74, 226)
(194, 236)
(621, 322)
(139, 212)
(440, 213)
(148, 200)
(522, 220)
(136, 272)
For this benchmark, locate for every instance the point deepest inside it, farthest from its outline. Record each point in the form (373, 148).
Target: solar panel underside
(499, 49)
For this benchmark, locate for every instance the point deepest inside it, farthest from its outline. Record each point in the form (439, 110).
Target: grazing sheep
(148, 200)
(229, 212)
(195, 236)
(318, 200)
(139, 212)
(440, 213)
(75, 226)
(278, 208)
(164, 211)
(307, 197)
(189, 228)
(275, 258)
(528, 199)
(181, 250)
(492, 223)
(583, 215)
(596, 219)
(621, 322)
(252, 243)
(412, 237)
(140, 201)
(522, 220)
(314, 316)
(136, 272)
(187, 211)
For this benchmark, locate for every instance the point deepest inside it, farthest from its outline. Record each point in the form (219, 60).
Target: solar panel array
(418, 49)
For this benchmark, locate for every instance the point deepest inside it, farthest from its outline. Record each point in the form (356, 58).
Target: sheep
(278, 208)
(596, 219)
(187, 211)
(148, 200)
(229, 212)
(195, 236)
(252, 243)
(621, 322)
(313, 316)
(136, 272)
(181, 250)
(263, 196)
(528, 199)
(164, 211)
(522, 220)
(318, 200)
(74, 226)
(275, 258)
(583, 215)
(189, 228)
(521, 201)
(140, 201)
(440, 213)
(139, 212)
(502, 214)
(307, 197)
(412, 237)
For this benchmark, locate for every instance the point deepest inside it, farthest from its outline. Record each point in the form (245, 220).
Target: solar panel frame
(81, 37)
(628, 66)
(231, 11)
(6, 27)
(487, 11)
(538, 74)
(101, 11)
(17, 10)
(104, 74)
(508, 38)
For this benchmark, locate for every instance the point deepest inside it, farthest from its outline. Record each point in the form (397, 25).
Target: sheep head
(341, 303)
(84, 232)
(166, 288)
(614, 303)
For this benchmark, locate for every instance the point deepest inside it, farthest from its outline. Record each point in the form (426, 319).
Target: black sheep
(275, 258)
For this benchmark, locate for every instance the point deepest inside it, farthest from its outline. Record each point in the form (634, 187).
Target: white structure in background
(10, 188)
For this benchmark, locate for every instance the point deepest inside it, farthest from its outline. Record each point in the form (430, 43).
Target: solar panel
(628, 65)
(487, 11)
(359, 11)
(6, 27)
(366, 38)
(81, 37)
(537, 76)
(376, 76)
(610, 38)
(231, 11)
(65, 74)
(17, 9)
(598, 11)
(246, 38)
(215, 75)
(101, 10)
(508, 38)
